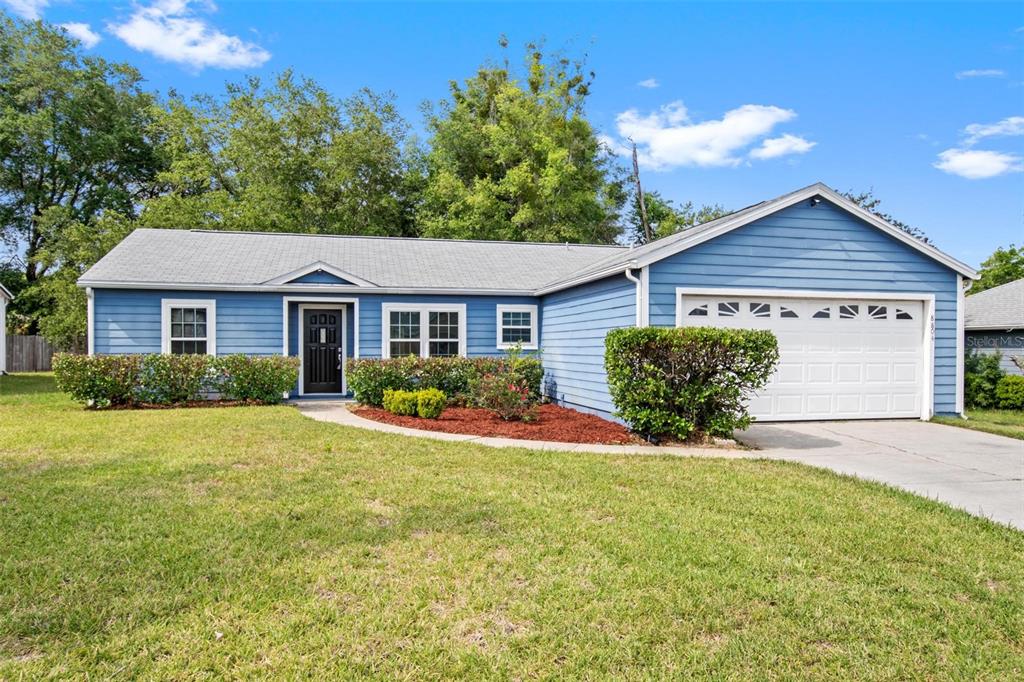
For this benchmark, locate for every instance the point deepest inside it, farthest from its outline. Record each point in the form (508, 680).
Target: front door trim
(303, 307)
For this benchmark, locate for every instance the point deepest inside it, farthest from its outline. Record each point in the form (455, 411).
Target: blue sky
(730, 103)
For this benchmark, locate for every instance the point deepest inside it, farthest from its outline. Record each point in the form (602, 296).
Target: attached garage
(869, 318)
(842, 355)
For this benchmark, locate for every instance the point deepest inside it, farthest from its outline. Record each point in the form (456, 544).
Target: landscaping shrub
(125, 380)
(673, 382)
(404, 403)
(170, 379)
(259, 379)
(430, 403)
(455, 377)
(981, 376)
(98, 381)
(1010, 392)
(507, 395)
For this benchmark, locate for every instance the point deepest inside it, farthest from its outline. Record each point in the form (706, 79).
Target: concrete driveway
(978, 472)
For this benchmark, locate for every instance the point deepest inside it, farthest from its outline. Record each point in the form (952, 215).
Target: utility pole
(640, 197)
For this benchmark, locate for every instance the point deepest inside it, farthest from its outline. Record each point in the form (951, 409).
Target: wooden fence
(33, 353)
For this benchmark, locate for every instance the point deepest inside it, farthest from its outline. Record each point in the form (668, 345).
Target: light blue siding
(573, 327)
(823, 248)
(128, 321)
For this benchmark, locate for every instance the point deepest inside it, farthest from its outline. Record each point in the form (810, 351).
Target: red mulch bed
(553, 423)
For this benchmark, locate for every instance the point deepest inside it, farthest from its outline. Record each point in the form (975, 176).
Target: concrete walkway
(980, 473)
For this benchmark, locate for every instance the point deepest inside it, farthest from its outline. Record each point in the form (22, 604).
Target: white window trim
(165, 321)
(303, 307)
(526, 308)
(424, 309)
(927, 324)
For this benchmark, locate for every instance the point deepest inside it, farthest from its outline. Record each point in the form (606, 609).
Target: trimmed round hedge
(674, 383)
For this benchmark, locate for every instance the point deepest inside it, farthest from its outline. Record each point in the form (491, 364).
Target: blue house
(869, 319)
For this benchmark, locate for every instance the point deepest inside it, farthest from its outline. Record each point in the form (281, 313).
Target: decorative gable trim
(805, 194)
(319, 266)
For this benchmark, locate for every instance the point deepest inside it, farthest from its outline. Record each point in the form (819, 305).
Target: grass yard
(251, 542)
(1000, 422)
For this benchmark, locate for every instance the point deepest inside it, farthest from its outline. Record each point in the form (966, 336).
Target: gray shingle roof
(182, 257)
(1000, 307)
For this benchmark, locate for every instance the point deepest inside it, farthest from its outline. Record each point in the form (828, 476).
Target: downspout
(628, 272)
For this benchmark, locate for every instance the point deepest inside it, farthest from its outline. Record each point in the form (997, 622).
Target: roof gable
(319, 273)
(681, 241)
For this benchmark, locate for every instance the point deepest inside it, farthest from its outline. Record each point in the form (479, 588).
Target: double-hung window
(517, 324)
(188, 327)
(424, 330)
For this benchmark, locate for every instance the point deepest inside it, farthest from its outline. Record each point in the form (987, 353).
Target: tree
(284, 158)
(1004, 265)
(74, 139)
(869, 202)
(666, 219)
(513, 157)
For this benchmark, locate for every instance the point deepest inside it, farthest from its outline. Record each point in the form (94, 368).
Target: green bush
(170, 379)
(430, 403)
(455, 377)
(127, 380)
(257, 379)
(981, 376)
(98, 381)
(404, 403)
(507, 396)
(673, 382)
(1010, 392)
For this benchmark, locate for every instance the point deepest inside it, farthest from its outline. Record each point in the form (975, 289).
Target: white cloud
(82, 32)
(667, 138)
(1008, 127)
(27, 9)
(780, 146)
(171, 30)
(649, 83)
(975, 164)
(980, 73)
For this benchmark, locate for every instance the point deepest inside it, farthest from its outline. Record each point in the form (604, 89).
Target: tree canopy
(1003, 266)
(286, 157)
(665, 218)
(512, 156)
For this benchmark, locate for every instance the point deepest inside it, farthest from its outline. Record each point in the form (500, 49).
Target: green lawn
(252, 542)
(1000, 422)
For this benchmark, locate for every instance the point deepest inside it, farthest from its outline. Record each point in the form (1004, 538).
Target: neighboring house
(5, 298)
(869, 319)
(994, 323)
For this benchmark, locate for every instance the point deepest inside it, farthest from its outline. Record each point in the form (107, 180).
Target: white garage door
(839, 358)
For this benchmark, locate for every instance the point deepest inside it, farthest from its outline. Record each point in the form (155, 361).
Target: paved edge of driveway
(338, 413)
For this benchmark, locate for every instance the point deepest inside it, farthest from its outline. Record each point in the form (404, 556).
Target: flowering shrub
(455, 377)
(507, 395)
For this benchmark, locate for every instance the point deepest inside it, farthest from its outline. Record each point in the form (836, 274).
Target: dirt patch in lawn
(553, 423)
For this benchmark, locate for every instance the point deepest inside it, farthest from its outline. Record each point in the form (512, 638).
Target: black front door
(323, 352)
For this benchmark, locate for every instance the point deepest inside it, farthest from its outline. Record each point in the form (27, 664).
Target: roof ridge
(998, 286)
(381, 237)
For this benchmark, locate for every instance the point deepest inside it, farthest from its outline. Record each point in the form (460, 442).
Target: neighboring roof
(209, 258)
(251, 259)
(662, 248)
(1000, 307)
(5, 293)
